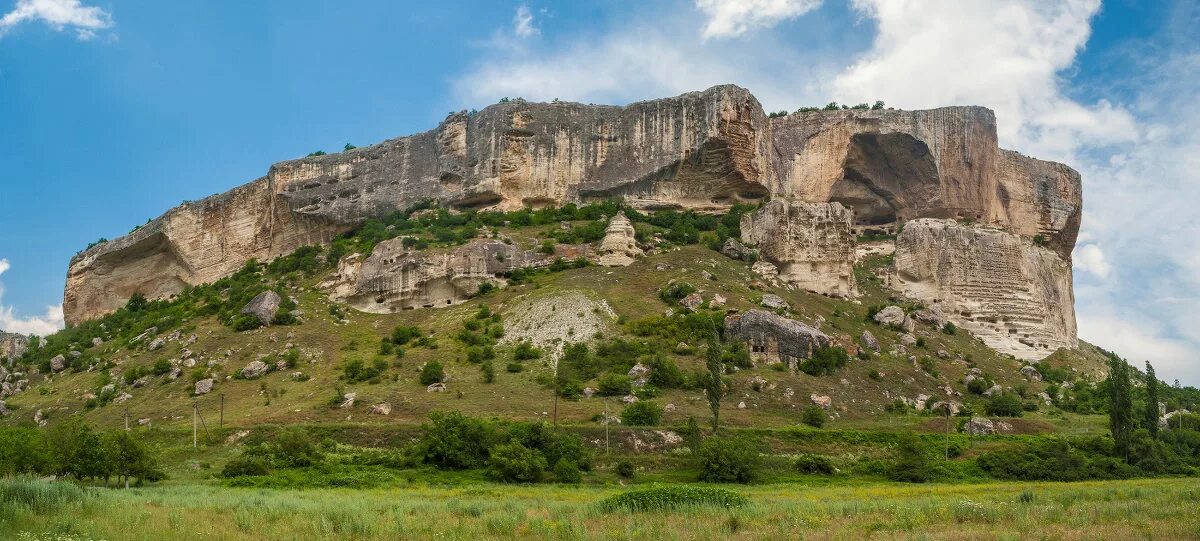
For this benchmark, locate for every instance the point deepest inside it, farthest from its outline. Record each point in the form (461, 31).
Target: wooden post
(947, 408)
(126, 421)
(556, 407)
(221, 422)
(606, 449)
(194, 426)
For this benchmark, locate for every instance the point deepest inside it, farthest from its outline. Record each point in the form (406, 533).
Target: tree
(1151, 419)
(130, 457)
(1120, 405)
(714, 386)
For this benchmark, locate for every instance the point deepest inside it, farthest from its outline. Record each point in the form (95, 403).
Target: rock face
(772, 338)
(12, 346)
(619, 247)
(1010, 292)
(395, 278)
(812, 244)
(701, 150)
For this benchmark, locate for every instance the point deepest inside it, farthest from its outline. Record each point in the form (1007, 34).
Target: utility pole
(127, 420)
(947, 411)
(556, 408)
(606, 449)
(221, 422)
(194, 424)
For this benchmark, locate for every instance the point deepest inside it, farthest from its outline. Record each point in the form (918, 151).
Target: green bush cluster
(731, 459)
(642, 413)
(72, 448)
(825, 360)
(510, 451)
(666, 498)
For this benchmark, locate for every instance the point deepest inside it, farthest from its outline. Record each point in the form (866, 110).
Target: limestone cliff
(12, 345)
(811, 244)
(701, 150)
(1010, 292)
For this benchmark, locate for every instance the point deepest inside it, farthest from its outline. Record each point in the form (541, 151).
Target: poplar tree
(713, 384)
(1151, 401)
(1120, 405)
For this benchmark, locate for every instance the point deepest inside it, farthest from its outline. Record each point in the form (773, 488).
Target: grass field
(1139, 509)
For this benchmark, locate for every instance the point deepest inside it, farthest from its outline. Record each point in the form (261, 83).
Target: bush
(514, 367)
(356, 371)
(672, 497)
(432, 373)
(294, 447)
(1055, 460)
(626, 469)
(245, 322)
(814, 464)
(675, 292)
(489, 372)
(814, 416)
(979, 385)
(514, 463)
(614, 385)
(525, 351)
(566, 471)
(453, 441)
(825, 361)
(246, 465)
(729, 460)
(1004, 405)
(402, 335)
(949, 328)
(664, 373)
(644, 413)
(911, 465)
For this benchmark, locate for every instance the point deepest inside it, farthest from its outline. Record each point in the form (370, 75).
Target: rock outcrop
(701, 150)
(12, 346)
(395, 277)
(811, 244)
(772, 338)
(1006, 289)
(263, 307)
(619, 246)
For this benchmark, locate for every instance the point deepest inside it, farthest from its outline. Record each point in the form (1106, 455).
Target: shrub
(454, 441)
(525, 351)
(672, 497)
(161, 367)
(40, 496)
(814, 416)
(515, 463)
(245, 322)
(664, 373)
(489, 372)
(643, 413)
(1004, 405)
(614, 385)
(246, 465)
(566, 471)
(911, 464)
(675, 292)
(825, 361)
(402, 335)
(729, 460)
(814, 464)
(432, 373)
(355, 370)
(949, 328)
(979, 385)
(1054, 460)
(514, 367)
(626, 469)
(294, 447)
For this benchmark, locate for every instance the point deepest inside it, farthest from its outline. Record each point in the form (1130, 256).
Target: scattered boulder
(908, 339)
(39, 418)
(588, 392)
(255, 369)
(1031, 373)
(263, 307)
(773, 338)
(718, 300)
(203, 386)
(97, 342)
(733, 248)
(707, 275)
(868, 341)
(437, 387)
(758, 383)
(979, 426)
(943, 354)
(629, 399)
(940, 407)
(995, 389)
(122, 398)
(692, 301)
(639, 370)
(4, 409)
(774, 302)
(822, 401)
(58, 363)
(157, 344)
(669, 407)
(932, 316)
(741, 405)
(1045, 398)
(141, 382)
(382, 408)
(891, 316)
(175, 373)
(348, 400)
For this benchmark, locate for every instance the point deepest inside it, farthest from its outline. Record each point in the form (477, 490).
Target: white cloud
(523, 23)
(730, 18)
(47, 324)
(59, 14)
(1090, 258)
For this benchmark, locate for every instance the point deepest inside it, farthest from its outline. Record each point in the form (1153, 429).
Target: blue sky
(113, 111)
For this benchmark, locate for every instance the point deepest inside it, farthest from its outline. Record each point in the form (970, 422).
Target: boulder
(733, 248)
(97, 342)
(822, 401)
(717, 301)
(908, 339)
(774, 302)
(437, 387)
(348, 400)
(773, 338)
(619, 246)
(692, 301)
(979, 426)
(255, 369)
(157, 344)
(1045, 398)
(203, 386)
(891, 316)
(868, 341)
(758, 383)
(639, 370)
(382, 408)
(1031, 373)
(588, 392)
(932, 316)
(629, 399)
(4, 409)
(263, 307)
(993, 390)
(58, 363)
(141, 382)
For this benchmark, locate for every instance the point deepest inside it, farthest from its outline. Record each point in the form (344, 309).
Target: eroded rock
(619, 247)
(772, 338)
(811, 244)
(263, 307)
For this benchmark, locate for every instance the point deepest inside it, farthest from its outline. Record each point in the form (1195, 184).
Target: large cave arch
(886, 177)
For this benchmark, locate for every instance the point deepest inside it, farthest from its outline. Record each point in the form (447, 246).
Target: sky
(113, 111)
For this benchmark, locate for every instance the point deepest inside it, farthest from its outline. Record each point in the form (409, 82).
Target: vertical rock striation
(811, 244)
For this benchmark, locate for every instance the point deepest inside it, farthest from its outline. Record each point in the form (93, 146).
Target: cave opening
(887, 177)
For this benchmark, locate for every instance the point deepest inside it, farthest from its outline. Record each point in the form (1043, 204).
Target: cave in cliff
(885, 177)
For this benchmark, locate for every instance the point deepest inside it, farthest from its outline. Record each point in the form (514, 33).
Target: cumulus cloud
(729, 18)
(60, 15)
(1090, 258)
(48, 323)
(523, 23)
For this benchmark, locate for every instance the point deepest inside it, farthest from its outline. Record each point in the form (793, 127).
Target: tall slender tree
(714, 386)
(1120, 405)
(1151, 419)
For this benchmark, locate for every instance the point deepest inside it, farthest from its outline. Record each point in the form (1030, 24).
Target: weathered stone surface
(1031, 373)
(701, 150)
(733, 248)
(12, 346)
(892, 316)
(1013, 294)
(395, 278)
(438, 387)
(979, 426)
(868, 341)
(811, 244)
(58, 363)
(619, 246)
(348, 400)
(773, 338)
(263, 307)
(774, 302)
(821, 400)
(692, 301)
(255, 369)
(203, 386)
(382, 408)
